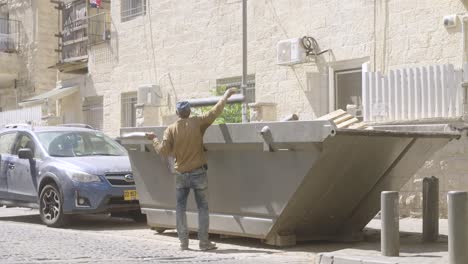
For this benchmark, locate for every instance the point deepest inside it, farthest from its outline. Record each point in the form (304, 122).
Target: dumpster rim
(393, 133)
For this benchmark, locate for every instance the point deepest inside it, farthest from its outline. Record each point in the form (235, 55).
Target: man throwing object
(184, 140)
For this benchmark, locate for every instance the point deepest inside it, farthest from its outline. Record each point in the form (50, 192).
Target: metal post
(430, 209)
(244, 60)
(390, 233)
(457, 225)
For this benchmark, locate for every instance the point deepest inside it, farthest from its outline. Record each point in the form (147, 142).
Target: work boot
(207, 246)
(184, 245)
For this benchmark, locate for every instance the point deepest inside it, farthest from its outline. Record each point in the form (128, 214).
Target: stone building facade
(27, 45)
(189, 47)
(199, 43)
(184, 49)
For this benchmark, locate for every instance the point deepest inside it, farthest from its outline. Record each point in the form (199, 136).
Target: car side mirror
(25, 153)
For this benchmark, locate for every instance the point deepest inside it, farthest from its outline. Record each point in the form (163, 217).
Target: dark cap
(182, 106)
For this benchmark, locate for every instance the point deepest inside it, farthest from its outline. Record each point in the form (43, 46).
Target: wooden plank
(357, 125)
(342, 119)
(332, 115)
(347, 123)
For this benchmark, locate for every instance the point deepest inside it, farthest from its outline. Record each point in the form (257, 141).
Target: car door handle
(11, 166)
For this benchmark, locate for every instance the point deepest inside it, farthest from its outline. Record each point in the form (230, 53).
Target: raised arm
(208, 118)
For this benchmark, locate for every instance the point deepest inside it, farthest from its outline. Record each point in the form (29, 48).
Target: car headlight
(80, 176)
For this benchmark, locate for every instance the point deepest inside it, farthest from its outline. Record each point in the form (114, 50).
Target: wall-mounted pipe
(237, 98)
(463, 20)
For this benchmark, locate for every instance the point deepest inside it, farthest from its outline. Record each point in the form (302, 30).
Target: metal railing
(9, 35)
(74, 40)
(30, 115)
(74, 34)
(413, 93)
(128, 110)
(99, 28)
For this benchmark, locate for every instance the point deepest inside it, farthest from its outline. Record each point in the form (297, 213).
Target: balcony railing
(75, 40)
(74, 34)
(9, 35)
(99, 28)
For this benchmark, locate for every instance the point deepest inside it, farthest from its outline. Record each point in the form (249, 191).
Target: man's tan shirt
(184, 139)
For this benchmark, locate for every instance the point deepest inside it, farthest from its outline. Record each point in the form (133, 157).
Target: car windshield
(79, 144)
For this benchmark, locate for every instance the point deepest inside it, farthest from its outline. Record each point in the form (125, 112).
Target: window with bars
(236, 82)
(233, 112)
(130, 9)
(128, 110)
(93, 113)
(74, 34)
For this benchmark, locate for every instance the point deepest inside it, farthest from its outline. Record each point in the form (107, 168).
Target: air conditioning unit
(290, 51)
(149, 95)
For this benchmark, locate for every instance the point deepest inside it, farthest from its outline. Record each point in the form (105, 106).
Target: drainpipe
(244, 60)
(463, 19)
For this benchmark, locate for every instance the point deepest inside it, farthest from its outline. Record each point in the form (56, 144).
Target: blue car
(64, 171)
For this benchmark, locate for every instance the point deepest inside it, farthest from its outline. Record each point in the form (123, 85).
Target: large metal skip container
(301, 180)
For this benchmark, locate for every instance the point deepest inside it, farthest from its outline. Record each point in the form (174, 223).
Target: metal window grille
(9, 35)
(236, 82)
(93, 112)
(74, 31)
(99, 29)
(130, 9)
(232, 113)
(128, 113)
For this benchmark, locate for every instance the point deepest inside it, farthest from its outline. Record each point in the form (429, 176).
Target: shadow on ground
(100, 222)
(410, 242)
(259, 247)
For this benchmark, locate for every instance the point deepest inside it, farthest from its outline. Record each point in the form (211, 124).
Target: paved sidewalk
(412, 250)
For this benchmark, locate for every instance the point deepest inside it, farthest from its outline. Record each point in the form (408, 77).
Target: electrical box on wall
(149, 94)
(290, 51)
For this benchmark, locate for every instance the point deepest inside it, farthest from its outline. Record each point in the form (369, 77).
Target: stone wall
(7, 98)
(38, 26)
(199, 42)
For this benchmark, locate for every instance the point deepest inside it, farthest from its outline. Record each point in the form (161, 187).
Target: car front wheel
(50, 207)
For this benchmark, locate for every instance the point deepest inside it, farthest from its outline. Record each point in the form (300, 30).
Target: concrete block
(378, 262)
(324, 258)
(346, 260)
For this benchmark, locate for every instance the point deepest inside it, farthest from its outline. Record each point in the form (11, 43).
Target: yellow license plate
(130, 195)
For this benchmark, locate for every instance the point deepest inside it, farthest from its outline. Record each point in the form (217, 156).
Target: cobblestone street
(100, 239)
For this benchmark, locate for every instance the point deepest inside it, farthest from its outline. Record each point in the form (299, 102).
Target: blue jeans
(196, 180)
